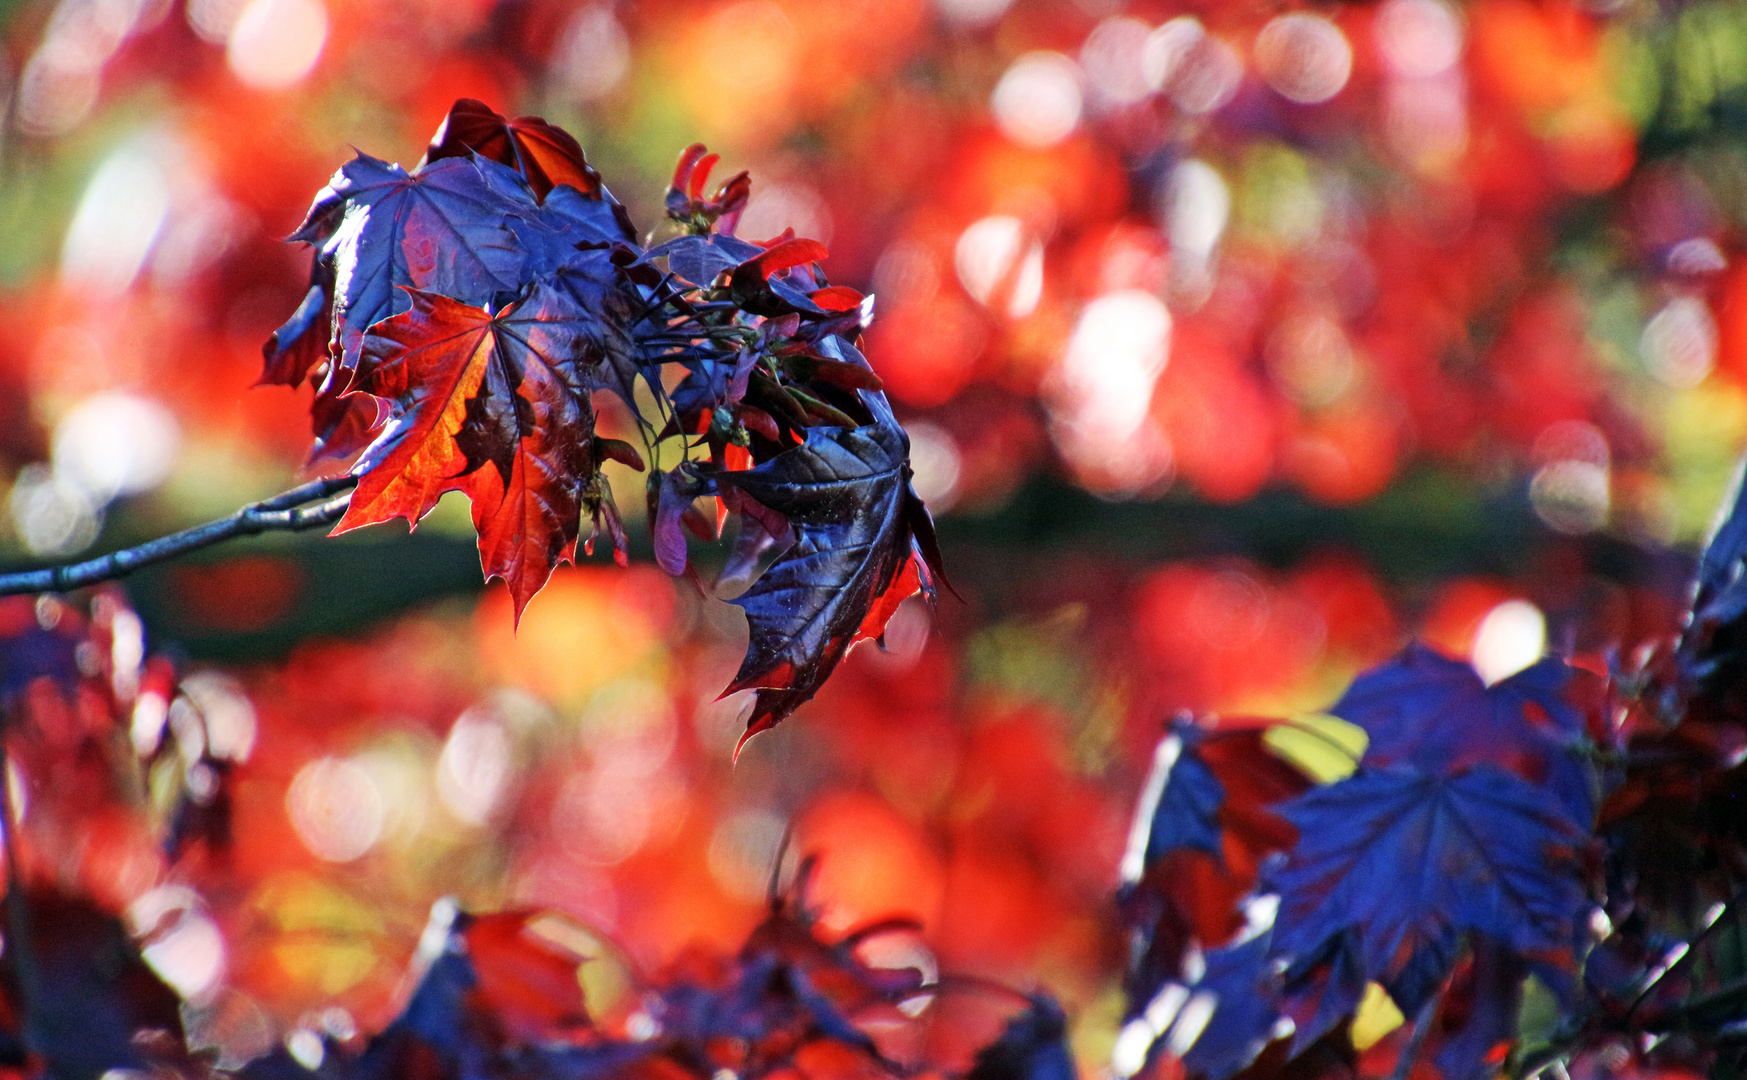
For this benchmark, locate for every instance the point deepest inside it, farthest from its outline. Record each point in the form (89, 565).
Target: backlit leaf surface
(1394, 865)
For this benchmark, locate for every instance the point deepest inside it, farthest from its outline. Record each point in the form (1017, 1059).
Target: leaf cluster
(1546, 872)
(462, 317)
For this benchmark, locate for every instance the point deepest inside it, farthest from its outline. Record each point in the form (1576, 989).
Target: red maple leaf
(495, 406)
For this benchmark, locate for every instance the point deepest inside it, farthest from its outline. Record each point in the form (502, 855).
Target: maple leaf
(1185, 807)
(441, 229)
(759, 284)
(90, 1003)
(857, 524)
(565, 222)
(495, 406)
(344, 423)
(429, 362)
(1395, 864)
(1479, 1012)
(1433, 712)
(1215, 1021)
(618, 360)
(545, 155)
(700, 260)
(491, 1000)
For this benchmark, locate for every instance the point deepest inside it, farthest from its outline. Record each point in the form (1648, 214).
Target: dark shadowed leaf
(615, 360)
(1712, 652)
(846, 495)
(343, 423)
(700, 260)
(492, 1001)
(1478, 1018)
(544, 154)
(90, 1003)
(302, 343)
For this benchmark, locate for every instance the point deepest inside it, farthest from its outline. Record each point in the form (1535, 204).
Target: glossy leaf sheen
(847, 496)
(441, 229)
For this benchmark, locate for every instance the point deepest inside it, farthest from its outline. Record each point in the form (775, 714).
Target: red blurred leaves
(238, 595)
(525, 979)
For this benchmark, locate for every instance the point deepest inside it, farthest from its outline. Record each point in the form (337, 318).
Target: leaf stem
(1422, 1026)
(287, 512)
(1657, 976)
(1728, 994)
(20, 940)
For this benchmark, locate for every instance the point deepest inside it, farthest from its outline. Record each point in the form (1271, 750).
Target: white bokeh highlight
(336, 809)
(1001, 265)
(474, 767)
(1038, 101)
(113, 444)
(1303, 57)
(119, 216)
(1512, 636)
(274, 44)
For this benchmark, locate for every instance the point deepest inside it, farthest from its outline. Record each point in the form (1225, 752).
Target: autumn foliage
(1321, 405)
(461, 316)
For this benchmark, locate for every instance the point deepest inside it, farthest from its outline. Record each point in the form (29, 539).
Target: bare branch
(1422, 1026)
(288, 512)
(1657, 975)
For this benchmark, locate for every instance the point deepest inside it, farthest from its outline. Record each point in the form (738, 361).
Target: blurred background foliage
(1237, 342)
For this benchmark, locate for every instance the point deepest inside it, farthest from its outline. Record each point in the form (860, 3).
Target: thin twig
(1727, 994)
(20, 939)
(288, 512)
(1578, 1025)
(1693, 945)
(1422, 1026)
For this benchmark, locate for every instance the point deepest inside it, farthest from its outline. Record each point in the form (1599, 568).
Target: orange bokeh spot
(588, 625)
(926, 353)
(872, 862)
(1346, 456)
